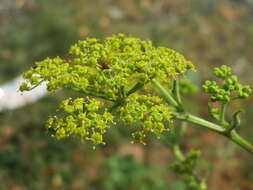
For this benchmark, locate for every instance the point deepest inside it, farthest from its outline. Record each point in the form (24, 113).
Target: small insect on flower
(103, 64)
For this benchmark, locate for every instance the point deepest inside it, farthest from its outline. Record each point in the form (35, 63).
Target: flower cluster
(85, 118)
(222, 72)
(147, 113)
(112, 69)
(230, 89)
(82, 118)
(187, 167)
(107, 68)
(186, 87)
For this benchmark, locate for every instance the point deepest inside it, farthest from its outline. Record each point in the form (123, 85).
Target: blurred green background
(209, 33)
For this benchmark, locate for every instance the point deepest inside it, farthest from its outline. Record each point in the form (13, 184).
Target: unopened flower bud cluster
(230, 88)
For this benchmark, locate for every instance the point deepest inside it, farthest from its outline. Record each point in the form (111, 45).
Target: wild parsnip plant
(115, 77)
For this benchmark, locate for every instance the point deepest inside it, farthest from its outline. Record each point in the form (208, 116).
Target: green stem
(236, 138)
(136, 87)
(119, 102)
(222, 113)
(177, 152)
(182, 130)
(165, 93)
(235, 122)
(37, 85)
(232, 135)
(88, 93)
(116, 105)
(199, 121)
(176, 91)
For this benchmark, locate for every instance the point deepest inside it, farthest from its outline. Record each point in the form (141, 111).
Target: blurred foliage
(209, 33)
(187, 167)
(127, 173)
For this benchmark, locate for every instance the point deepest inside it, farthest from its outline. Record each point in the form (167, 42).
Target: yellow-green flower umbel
(110, 70)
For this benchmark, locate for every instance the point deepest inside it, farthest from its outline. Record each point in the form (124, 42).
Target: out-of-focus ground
(209, 33)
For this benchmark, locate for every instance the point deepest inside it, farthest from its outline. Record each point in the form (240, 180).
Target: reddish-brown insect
(103, 65)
